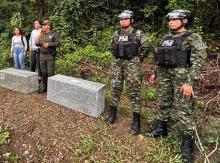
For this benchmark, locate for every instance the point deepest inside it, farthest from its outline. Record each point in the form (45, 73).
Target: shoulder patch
(197, 42)
(116, 33)
(138, 33)
(141, 36)
(200, 46)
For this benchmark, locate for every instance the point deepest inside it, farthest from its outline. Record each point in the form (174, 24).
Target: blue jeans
(19, 58)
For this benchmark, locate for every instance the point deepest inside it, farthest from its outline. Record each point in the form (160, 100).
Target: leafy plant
(39, 146)
(13, 158)
(16, 20)
(5, 134)
(68, 64)
(4, 137)
(88, 145)
(5, 59)
(148, 93)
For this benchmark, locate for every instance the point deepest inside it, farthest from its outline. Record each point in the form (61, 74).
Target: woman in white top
(19, 48)
(34, 48)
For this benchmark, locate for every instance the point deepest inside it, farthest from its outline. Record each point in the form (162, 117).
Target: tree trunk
(41, 6)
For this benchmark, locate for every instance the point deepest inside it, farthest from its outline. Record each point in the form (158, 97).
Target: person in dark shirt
(48, 41)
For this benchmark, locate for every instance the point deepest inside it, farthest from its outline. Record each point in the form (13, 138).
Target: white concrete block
(77, 94)
(19, 80)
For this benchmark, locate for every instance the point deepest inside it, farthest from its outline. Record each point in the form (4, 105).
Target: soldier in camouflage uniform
(129, 49)
(178, 61)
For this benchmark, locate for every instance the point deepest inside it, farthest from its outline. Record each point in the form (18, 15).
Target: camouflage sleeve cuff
(153, 70)
(189, 82)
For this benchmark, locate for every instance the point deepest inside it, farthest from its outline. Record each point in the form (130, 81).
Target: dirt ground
(45, 132)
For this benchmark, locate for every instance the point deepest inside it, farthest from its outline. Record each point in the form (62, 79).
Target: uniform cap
(46, 22)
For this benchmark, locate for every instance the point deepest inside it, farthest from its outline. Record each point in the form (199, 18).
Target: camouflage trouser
(130, 72)
(172, 102)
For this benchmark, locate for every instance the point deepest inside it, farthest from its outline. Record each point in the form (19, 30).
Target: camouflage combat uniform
(170, 81)
(128, 71)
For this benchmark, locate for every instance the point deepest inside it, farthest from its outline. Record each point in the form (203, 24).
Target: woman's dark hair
(20, 30)
(39, 21)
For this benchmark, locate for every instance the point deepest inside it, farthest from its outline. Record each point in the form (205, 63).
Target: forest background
(85, 28)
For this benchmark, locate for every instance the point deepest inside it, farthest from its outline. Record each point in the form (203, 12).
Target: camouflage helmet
(181, 14)
(126, 14)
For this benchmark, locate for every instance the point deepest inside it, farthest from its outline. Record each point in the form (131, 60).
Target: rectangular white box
(77, 94)
(19, 80)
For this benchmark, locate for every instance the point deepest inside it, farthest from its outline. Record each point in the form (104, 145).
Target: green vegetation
(4, 134)
(85, 28)
(148, 93)
(115, 148)
(13, 158)
(4, 140)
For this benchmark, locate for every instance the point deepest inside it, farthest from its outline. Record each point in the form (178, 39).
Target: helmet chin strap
(126, 27)
(175, 30)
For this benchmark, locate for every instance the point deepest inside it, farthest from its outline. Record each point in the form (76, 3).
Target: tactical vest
(125, 45)
(172, 54)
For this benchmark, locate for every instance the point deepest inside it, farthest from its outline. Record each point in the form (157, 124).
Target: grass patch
(85, 148)
(116, 148)
(5, 134)
(148, 93)
(11, 158)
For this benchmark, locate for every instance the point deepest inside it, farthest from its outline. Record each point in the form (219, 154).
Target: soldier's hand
(187, 90)
(152, 79)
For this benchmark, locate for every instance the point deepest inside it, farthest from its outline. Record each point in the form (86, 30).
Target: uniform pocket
(181, 73)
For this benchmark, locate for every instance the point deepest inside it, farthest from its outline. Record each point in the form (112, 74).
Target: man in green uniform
(179, 61)
(129, 48)
(48, 41)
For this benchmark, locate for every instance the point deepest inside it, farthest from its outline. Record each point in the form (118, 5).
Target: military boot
(43, 88)
(159, 130)
(135, 128)
(112, 116)
(187, 148)
(39, 85)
